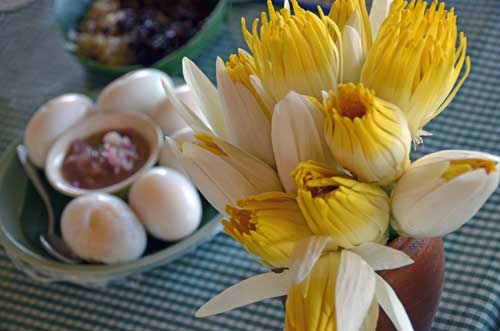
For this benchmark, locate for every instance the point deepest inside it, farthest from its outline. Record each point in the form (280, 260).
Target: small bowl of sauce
(104, 153)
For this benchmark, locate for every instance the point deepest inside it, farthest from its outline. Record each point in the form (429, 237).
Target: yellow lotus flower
(268, 226)
(415, 61)
(311, 304)
(366, 135)
(339, 291)
(351, 212)
(342, 12)
(295, 52)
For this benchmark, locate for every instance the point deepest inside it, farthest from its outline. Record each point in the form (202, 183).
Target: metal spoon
(54, 245)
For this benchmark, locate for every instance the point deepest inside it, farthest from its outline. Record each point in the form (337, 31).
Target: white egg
(167, 203)
(100, 227)
(138, 91)
(50, 121)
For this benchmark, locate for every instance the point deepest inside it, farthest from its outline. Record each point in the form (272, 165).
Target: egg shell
(167, 203)
(138, 91)
(100, 227)
(50, 121)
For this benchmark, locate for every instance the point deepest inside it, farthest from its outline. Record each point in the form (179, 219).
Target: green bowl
(68, 14)
(23, 218)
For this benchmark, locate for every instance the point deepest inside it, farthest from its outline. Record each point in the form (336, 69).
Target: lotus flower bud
(268, 225)
(351, 212)
(441, 191)
(367, 136)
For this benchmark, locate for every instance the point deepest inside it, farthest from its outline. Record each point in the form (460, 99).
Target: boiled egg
(101, 228)
(167, 203)
(50, 121)
(139, 91)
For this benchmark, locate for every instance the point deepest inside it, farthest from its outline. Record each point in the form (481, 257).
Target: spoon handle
(30, 170)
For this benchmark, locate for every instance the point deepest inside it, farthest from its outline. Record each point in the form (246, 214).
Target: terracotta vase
(419, 285)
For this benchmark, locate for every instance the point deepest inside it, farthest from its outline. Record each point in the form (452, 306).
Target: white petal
(381, 257)
(447, 207)
(354, 21)
(170, 155)
(390, 303)
(454, 154)
(260, 174)
(353, 54)
(206, 95)
(254, 289)
(355, 290)
(371, 319)
(378, 14)
(296, 136)
(216, 179)
(247, 125)
(286, 5)
(263, 94)
(184, 112)
(304, 256)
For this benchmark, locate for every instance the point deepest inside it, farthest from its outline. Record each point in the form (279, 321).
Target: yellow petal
(294, 52)
(268, 225)
(351, 212)
(311, 304)
(416, 60)
(367, 135)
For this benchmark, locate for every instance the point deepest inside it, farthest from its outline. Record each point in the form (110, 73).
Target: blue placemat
(34, 67)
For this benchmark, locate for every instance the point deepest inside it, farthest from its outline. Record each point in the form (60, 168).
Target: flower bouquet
(304, 146)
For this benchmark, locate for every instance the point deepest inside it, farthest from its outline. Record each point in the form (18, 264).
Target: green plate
(68, 14)
(23, 218)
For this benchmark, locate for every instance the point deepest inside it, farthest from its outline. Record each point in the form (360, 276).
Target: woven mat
(34, 67)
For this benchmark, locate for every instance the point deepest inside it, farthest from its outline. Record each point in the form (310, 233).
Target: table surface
(34, 67)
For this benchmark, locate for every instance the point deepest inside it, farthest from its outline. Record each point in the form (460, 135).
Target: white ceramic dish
(98, 122)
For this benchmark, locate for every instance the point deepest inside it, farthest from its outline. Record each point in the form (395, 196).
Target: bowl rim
(48, 270)
(214, 15)
(54, 159)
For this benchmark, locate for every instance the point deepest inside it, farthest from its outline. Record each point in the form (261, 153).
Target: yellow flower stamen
(268, 225)
(415, 62)
(342, 10)
(311, 304)
(351, 212)
(207, 142)
(460, 167)
(240, 67)
(367, 136)
(295, 52)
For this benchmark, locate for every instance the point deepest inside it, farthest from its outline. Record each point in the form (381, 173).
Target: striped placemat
(33, 68)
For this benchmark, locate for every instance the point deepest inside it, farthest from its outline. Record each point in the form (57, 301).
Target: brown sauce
(105, 158)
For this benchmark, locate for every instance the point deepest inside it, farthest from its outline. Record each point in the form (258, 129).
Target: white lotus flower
(297, 135)
(442, 191)
(338, 289)
(225, 174)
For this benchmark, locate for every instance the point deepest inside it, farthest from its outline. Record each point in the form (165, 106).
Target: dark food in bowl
(105, 158)
(126, 32)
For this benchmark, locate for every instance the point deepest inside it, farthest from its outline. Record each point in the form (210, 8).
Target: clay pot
(419, 285)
